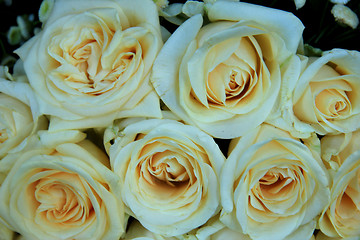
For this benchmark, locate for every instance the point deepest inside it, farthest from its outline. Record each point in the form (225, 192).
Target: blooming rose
(169, 174)
(16, 123)
(17, 120)
(90, 63)
(321, 94)
(272, 186)
(62, 188)
(336, 148)
(224, 77)
(341, 218)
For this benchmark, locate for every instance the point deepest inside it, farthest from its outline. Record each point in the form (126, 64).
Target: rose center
(273, 183)
(233, 79)
(60, 202)
(276, 184)
(333, 103)
(237, 85)
(167, 169)
(92, 60)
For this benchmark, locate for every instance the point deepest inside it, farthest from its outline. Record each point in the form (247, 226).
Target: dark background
(321, 29)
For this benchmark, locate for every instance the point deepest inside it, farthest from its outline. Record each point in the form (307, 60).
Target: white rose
(272, 186)
(341, 218)
(16, 123)
(61, 187)
(336, 148)
(17, 120)
(90, 64)
(169, 174)
(321, 94)
(224, 77)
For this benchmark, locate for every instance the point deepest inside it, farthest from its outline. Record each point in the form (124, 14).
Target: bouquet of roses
(116, 125)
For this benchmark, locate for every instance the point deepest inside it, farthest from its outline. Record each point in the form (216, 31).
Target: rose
(224, 77)
(90, 63)
(321, 94)
(61, 187)
(336, 148)
(17, 120)
(169, 174)
(272, 186)
(341, 217)
(330, 85)
(16, 123)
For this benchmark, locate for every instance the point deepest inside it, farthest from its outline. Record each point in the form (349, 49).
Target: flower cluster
(111, 127)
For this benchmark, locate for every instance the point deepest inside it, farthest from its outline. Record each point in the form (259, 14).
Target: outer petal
(6, 233)
(23, 92)
(166, 66)
(283, 23)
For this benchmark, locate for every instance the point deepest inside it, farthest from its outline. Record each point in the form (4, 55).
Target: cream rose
(272, 186)
(336, 148)
(341, 218)
(169, 174)
(224, 77)
(16, 123)
(90, 63)
(321, 94)
(17, 120)
(61, 187)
